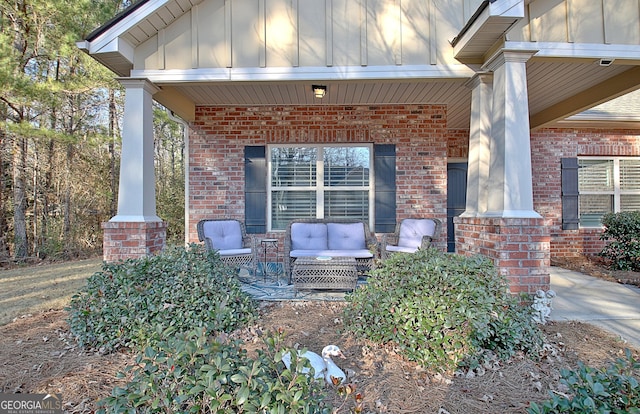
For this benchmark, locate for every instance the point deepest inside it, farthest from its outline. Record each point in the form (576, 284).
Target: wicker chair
(411, 234)
(229, 238)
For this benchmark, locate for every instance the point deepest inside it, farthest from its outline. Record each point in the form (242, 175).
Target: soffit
(143, 19)
(485, 29)
(548, 83)
(149, 26)
(489, 33)
(454, 94)
(551, 82)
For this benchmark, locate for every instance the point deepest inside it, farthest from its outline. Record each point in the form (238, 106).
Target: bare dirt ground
(37, 356)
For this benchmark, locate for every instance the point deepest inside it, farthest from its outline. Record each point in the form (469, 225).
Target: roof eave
(485, 28)
(115, 20)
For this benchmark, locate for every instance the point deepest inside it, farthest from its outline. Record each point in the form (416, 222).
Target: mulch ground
(37, 355)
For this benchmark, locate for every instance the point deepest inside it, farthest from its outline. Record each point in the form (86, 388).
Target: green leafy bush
(590, 390)
(441, 310)
(193, 373)
(128, 304)
(623, 231)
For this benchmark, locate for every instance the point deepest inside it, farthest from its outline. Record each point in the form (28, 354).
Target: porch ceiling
(554, 87)
(451, 93)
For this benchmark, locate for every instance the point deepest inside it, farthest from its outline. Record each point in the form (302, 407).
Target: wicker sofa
(330, 237)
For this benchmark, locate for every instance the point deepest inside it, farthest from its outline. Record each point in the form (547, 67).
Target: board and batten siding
(580, 21)
(342, 33)
(307, 33)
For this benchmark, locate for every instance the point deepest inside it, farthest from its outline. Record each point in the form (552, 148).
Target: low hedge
(613, 390)
(193, 373)
(129, 304)
(442, 310)
(622, 231)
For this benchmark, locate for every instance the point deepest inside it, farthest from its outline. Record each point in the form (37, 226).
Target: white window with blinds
(319, 181)
(607, 185)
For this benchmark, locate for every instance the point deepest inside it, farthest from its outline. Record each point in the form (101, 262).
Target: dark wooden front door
(456, 198)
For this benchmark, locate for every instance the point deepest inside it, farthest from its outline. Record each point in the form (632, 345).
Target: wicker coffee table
(337, 273)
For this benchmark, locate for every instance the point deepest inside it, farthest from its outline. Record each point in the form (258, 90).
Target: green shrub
(614, 390)
(623, 231)
(441, 310)
(127, 304)
(194, 374)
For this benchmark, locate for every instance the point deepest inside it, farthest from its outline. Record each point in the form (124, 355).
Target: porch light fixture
(606, 62)
(319, 91)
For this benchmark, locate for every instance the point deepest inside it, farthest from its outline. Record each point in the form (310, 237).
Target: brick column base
(132, 240)
(519, 247)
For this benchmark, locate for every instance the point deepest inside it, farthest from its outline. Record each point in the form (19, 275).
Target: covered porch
(422, 85)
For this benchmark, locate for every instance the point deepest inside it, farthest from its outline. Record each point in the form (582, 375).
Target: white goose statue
(323, 366)
(332, 370)
(315, 360)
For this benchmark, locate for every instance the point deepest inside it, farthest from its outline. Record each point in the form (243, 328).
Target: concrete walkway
(612, 306)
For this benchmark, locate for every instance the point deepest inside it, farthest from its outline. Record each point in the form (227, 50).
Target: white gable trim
(126, 23)
(578, 50)
(307, 73)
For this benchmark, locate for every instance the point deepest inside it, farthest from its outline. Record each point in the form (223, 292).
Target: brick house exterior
(548, 147)
(218, 137)
(482, 82)
(424, 145)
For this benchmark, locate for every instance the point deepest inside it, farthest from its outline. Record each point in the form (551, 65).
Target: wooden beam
(611, 88)
(176, 102)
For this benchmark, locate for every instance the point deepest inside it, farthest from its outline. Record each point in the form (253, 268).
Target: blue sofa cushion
(308, 236)
(346, 236)
(357, 253)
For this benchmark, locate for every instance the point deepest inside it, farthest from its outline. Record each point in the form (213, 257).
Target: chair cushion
(224, 234)
(235, 252)
(357, 253)
(395, 249)
(308, 236)
(346, 236)
(412, 231)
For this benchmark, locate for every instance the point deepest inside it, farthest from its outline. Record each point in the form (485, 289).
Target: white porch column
(510, 188)
(137, 191)
(479, 139)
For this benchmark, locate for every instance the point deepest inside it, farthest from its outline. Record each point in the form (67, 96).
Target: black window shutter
(570, 218)
(385, 197)
(255, 189)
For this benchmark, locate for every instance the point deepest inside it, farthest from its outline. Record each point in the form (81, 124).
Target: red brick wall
(132, 240)
(219, 134)
(519, 247)
(548, 146)
(458, 143)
